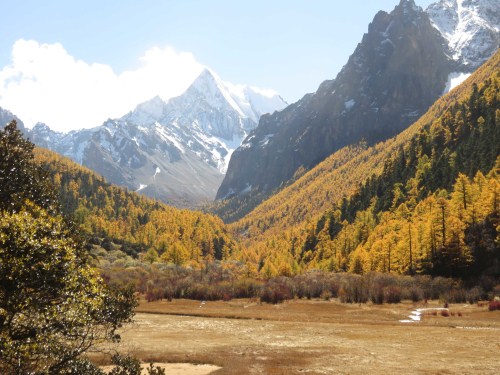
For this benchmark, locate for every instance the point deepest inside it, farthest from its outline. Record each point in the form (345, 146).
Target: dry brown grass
(316, 337)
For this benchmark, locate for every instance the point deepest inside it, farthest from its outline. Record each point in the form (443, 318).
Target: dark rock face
(397, 71)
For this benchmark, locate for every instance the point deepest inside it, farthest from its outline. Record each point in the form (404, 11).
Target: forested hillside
(459, 134)
(138, 224)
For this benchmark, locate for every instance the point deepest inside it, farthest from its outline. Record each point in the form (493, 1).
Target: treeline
(226, 281)
(114, 216)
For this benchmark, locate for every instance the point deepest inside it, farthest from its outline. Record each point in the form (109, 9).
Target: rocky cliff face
(397, 71)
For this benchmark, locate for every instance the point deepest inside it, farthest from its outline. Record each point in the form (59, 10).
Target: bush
(413, 293)
(494, 305)
(342, 295)
(326, 295)
(392, 294)
(377, 294)
(475, 294)
(275, 293)
(454, 296)
(155, 370)
(125, 365)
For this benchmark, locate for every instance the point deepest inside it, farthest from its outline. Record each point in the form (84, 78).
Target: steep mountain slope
(175, 151)
(278, 228)
(401, 67)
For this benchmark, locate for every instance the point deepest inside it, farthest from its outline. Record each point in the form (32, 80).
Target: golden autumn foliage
(137, 223)
(289, 231)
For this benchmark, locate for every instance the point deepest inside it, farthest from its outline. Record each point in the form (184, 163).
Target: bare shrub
(392, 294)
(275, 292)
(494, 305)
(475, 294)
(326, 295)
(454, 296)
(377, 294)
(415, 294)
(343, 296)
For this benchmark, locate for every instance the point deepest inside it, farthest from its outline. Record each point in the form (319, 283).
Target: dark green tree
(20, 178)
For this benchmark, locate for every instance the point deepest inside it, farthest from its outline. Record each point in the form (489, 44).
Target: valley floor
(317, 337)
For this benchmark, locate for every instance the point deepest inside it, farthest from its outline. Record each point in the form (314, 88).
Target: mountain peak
(408, 9)
(147, 112)
(207, 74)
(208, 82)
(207, 79)
(41, 126)
(211, 89)
(408, 4)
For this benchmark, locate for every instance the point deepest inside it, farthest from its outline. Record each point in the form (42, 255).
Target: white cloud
(44, 83)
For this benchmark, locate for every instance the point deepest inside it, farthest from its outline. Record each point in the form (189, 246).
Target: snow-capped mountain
(471, 27)
(212, 117)
(176, 151)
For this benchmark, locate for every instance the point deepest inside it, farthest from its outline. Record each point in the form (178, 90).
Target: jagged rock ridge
(397, 71)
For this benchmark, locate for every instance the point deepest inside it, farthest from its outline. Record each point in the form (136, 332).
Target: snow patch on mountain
(349, 104)
(169, 137)
(455, 79)
(471, 27)
(157, 170)
(255, 102)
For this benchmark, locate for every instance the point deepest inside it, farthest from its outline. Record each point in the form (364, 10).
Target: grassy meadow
(317, 337)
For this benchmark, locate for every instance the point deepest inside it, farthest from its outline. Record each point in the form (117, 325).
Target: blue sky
(288, 46)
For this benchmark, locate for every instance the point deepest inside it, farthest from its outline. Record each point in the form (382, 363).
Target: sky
(74, 64)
